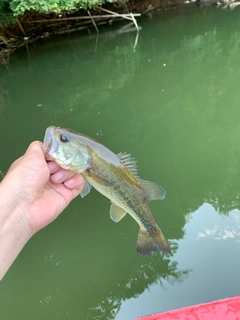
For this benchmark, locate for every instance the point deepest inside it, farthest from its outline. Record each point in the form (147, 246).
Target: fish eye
(63, 138)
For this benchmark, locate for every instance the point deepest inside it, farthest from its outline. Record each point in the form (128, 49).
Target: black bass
(115, 176)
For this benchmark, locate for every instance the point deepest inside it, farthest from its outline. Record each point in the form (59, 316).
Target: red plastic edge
(226, 309)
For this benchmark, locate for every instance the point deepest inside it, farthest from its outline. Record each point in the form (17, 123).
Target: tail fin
(151, 242)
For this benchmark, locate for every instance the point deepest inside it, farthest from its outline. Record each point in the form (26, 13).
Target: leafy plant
(42, 6)
(6, 15)
(19, 7)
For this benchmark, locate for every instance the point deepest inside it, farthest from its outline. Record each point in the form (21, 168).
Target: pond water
(171, 99)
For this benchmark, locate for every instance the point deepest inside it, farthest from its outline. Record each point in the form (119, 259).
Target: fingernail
(69, 183)
(57, 176)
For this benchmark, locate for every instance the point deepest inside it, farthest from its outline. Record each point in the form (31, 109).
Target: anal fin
(116, 212)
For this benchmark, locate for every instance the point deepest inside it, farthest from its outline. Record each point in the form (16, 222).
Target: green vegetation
(9, 10)
(41, 6)
(6, 15)
(20, 7)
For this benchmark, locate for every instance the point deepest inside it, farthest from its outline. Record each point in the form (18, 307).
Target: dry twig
(93, 21)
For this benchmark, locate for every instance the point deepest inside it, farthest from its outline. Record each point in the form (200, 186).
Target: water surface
(173, 103)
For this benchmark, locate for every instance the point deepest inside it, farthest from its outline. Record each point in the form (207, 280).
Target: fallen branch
(4, 41)
(135, 22)
(93, 21)
(20, 26)
(126, 16)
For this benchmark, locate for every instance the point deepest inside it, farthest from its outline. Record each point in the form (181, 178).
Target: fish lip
(48, 143)
(47, 146)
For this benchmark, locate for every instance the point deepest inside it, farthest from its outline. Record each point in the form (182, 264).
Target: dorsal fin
(128, 162)
(153, 190)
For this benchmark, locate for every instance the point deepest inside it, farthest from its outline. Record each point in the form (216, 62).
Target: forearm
(14, 232)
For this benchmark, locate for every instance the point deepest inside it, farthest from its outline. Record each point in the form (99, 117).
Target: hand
(32, 194)
(42, 190)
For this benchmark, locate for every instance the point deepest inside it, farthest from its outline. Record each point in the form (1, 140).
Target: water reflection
(210, 231)
(140, 279)
(161, 277)
(223, 232)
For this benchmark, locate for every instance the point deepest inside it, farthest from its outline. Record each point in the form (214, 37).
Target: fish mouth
(49, 143)
(47, 146)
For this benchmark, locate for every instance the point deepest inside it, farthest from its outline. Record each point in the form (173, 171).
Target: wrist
(14, 230)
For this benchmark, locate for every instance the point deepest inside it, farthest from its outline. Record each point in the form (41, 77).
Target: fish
(113, 175)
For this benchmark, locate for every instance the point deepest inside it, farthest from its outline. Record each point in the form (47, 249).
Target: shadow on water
(174, 103)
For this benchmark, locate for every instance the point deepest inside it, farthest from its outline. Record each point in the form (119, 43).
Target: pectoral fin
(153, 190)
(87, 188)
(116, 212)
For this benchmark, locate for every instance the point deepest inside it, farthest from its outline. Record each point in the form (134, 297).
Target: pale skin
(32, 194)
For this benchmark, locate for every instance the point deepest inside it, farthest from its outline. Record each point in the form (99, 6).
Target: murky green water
(173, 102)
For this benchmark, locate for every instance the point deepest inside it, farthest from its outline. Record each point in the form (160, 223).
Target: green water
(173, 103)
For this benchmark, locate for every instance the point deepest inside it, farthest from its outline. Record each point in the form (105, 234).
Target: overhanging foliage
(16, 8)
(19, 7)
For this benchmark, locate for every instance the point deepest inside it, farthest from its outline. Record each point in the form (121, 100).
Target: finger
(34, 151)
(35, 146)
(62, 175)
(53, 166)
(76, 182)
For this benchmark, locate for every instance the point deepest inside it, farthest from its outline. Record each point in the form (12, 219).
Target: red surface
(226, 309)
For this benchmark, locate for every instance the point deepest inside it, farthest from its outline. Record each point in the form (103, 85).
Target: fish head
(66, 149)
